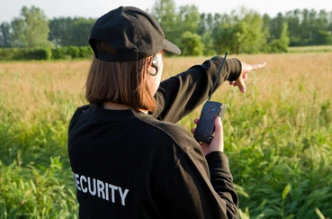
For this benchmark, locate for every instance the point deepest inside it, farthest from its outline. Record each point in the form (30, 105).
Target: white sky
(95, 8)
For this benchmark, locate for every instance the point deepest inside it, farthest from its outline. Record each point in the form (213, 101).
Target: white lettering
(123, 195)
(85, 190)
(92, 192)
(106, 190)
(101, 187)
(113, 191)
(77, 183)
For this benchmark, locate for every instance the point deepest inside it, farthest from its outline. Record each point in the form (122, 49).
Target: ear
(151, 70)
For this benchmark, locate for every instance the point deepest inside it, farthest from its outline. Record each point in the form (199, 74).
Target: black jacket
(127, 164)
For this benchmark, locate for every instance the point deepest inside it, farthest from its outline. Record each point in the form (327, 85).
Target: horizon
(63, 8)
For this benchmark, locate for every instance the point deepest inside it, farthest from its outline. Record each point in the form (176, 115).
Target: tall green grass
(283, 160)
(35, 177)
(278, 136)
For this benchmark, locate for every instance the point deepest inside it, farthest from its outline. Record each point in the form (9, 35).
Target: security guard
(129, 158)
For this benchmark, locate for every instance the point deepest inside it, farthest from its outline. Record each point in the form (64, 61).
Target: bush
(60, 53)
(191, 44)
(8, 54)
(85, 52)
(277, 46)
(71, 52)
(39, 54)
(25, 54)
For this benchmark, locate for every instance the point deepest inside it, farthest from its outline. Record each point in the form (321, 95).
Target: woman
(128, 157)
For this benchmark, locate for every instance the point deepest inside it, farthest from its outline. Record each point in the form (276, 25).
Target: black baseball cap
(132, 34)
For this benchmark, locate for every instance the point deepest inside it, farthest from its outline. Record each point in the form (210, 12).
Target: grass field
(278, 135)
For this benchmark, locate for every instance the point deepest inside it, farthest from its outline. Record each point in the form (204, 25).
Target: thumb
(218, 128)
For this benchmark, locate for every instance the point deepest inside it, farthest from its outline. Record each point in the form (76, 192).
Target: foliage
(165, 13)
(189, 18)
(254, 35)
(191, 44)
(280, 42)
(5, 36)
(25, 54)
(31, 192)
(31, 29)
(277, 40)
(240, 31)
(71, 52)
(66, 31)
(32, 158)
(243, 31)
(309, 27)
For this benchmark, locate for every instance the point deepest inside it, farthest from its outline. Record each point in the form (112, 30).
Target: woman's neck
(115, 106)
(119, 106)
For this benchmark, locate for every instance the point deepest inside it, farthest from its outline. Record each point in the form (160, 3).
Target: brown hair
(119, 82)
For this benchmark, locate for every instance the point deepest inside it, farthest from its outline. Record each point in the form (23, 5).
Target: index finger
(258, 66)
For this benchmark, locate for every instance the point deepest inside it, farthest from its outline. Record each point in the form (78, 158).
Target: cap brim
(170, 47)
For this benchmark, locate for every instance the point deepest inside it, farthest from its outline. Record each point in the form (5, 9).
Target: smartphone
(205, 127)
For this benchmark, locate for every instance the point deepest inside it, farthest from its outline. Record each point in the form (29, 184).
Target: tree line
(240, 31)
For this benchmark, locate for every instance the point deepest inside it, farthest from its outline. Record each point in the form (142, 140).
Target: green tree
(59, 31)
(294, 27)
(207, 41)
(240, 33)
(189, 18)
(205, 23)
(280, 44)
(309, 27)
(81, 31)
(278, 40)
(266, 31)
(225, 39)
(276, 26)
(254, 35)
(5, 38)
(205, 30)
(329, 26)
(323, 37)
(165, 13)
(223, 33)
(18, 35)
(66, 31)
(30, 29)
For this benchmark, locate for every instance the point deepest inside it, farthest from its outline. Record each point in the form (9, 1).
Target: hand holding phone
(217, 143)
(205, 127)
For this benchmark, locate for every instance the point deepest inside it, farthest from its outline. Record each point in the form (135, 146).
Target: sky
(95, 8)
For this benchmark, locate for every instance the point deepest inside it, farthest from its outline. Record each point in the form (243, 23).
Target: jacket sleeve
(222, 181)
(179, 95)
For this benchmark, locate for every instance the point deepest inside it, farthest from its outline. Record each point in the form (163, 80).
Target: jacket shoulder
(77, 114)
